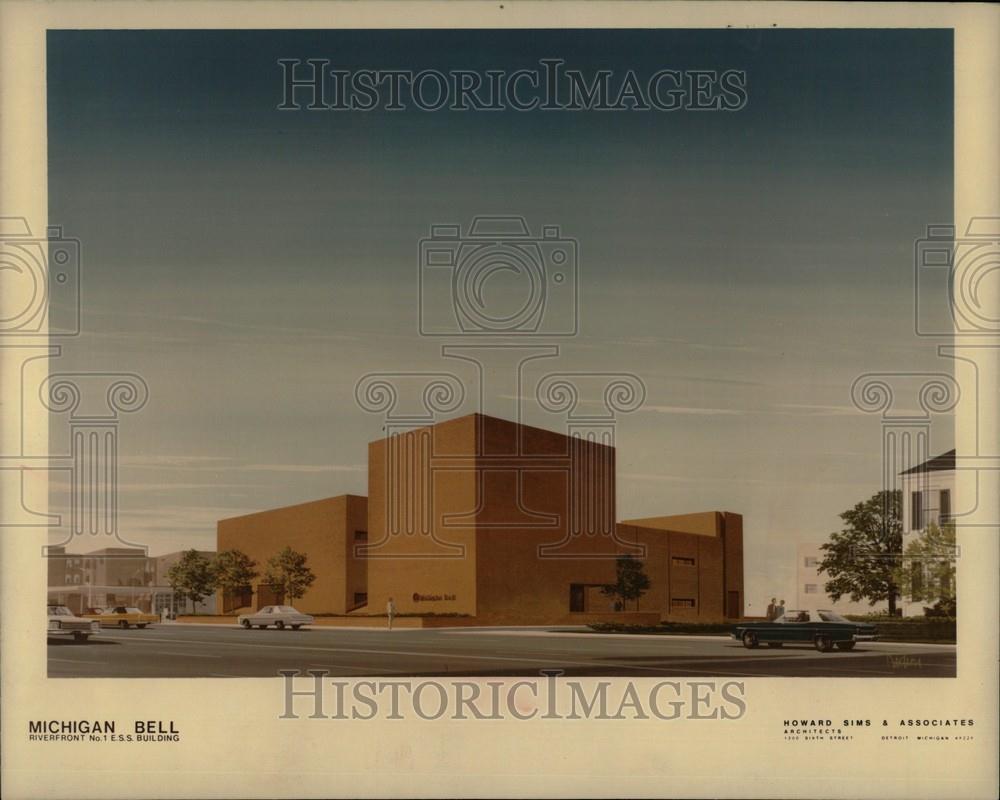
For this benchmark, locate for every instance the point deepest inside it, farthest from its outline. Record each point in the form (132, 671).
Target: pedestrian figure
(390, 611)
(771, 609)
(780, 610)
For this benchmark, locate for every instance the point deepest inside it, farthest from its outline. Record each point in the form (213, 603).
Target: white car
(62, 622)
(278, 616)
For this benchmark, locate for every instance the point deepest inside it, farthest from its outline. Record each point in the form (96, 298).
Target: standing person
(771, 607)
(390, 611)
(780, 610)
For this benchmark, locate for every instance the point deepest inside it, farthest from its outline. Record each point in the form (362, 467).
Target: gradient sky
(251, 264)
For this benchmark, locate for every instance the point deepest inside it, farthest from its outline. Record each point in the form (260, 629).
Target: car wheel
(823, 644)
(296, 627)
(246, 624)
(79, 636)
(774, 644)
(141, 626)
(123, 625)
(845, 645)
(750, 640)
(280, 625)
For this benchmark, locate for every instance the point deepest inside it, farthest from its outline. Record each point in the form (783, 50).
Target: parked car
(121, 617)
(278, 616)
(823, 629)
(63, 622)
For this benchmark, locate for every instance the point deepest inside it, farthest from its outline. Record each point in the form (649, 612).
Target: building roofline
(675, 523)
(941, 463)
(480, 416)
(293, 505)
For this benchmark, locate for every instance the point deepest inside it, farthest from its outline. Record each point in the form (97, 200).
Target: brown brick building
(500, 523)
(326, 531)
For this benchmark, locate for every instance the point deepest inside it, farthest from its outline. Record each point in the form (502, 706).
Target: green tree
(927, 570)
(863, 558)
(288, 572)
(192, 577)
(235, 571)
(631, 581)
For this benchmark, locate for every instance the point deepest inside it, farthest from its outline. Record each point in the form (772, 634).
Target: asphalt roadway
(222, 651)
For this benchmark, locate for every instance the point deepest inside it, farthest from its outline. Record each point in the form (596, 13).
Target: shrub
(946, 607)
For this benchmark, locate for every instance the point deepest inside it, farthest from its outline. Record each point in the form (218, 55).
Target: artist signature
(904, 662)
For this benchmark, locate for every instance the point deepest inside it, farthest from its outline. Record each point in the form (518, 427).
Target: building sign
(431, 598)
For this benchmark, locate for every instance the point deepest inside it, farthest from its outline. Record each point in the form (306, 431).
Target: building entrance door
(733, 605)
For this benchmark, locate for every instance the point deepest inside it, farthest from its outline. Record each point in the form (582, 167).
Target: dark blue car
(822, 629)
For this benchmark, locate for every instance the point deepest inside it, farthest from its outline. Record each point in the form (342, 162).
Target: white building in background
(809, 586)
(928, 497)
(928, 491)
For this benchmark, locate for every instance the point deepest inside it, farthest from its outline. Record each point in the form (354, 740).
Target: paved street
(181, 650)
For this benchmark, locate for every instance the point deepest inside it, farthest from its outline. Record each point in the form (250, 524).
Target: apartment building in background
(809, 582)
(114, 576)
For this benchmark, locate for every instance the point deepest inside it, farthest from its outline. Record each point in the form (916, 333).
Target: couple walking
(773, 610)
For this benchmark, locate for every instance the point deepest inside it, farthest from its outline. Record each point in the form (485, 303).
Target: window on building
(361, 537)
(917, 577)
(944, 509)
(577, 597)
(682, 602)
(916, 511)
(810, 561)
(682, 561)
(810, 588)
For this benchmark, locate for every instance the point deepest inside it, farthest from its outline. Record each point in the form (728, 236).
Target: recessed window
(810, 561)
(811, 588)
(916, 511)
(682, 561)
(944, 511)
(682, 602)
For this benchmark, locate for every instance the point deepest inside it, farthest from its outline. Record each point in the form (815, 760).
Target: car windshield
(829, 616)
(793, 616)
(287, 610)
(59, 611)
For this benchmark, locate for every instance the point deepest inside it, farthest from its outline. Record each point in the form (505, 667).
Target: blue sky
(251, 264)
